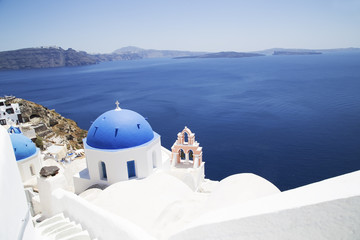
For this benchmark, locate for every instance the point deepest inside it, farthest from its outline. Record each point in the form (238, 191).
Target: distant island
(49, 57)
(224, 55)
(296, 53)
(152, 53)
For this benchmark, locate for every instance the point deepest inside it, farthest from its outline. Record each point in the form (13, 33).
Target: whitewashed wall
(13, 204)
(100, 223)
(329, 209)
(338, 219)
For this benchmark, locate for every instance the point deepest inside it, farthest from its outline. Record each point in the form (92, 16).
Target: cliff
(49, 125)
(44, 58)
(50, 57)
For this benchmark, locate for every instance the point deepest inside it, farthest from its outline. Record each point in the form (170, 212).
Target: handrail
(24, 224)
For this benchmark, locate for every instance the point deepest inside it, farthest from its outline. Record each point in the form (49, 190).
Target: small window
(10, 110)
(32, 172)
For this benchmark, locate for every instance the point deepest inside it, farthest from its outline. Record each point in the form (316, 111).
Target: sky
(102, 26)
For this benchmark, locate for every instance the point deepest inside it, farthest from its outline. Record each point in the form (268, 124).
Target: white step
(60, 229)
(84, 235)
(51, 220)
(54, 226)
(69, 232)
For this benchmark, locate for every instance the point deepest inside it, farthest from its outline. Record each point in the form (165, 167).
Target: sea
(292, 120)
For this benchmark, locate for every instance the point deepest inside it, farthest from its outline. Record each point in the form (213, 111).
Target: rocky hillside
(44, 58)
(50, 126)
(48, 57)
(117, 57)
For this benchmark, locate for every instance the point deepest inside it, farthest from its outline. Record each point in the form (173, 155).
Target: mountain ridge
(153, 53)
(225, 55)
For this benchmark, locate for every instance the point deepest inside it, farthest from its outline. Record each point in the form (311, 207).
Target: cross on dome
(117, 106)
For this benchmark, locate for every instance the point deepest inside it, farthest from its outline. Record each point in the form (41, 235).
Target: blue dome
(23, 146)
(117, 129)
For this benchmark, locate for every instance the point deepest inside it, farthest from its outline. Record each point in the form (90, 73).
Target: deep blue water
(290, 119)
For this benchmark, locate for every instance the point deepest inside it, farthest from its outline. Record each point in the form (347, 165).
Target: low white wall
(101, 224)
(46, 186)
(337, 219)
(81, 183)
(328, 209)
(165, 158)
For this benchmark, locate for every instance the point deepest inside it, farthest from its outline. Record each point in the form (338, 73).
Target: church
(131, 187)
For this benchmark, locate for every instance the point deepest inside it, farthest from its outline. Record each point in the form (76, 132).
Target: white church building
(120, 145)
(26, 153)
(132, 188)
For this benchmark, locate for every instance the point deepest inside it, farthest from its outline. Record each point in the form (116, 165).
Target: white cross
(117, 106)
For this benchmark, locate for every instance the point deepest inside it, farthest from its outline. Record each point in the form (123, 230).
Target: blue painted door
(131, 168)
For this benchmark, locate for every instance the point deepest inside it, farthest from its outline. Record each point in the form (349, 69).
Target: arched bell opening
(182, 154)
(186, 138)
(191, 155)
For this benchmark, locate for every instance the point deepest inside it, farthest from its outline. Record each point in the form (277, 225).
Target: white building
(120, 145)
(9, 114)
(27, 155)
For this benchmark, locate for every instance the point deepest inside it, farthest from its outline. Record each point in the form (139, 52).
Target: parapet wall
(338, 219)
(329, 209)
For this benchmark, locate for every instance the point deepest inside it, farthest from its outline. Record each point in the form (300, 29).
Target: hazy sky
(106, 25)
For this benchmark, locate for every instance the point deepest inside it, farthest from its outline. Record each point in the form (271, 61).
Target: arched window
(154, 159)
(182, 154)
(103, 174)
(32, 172)
(191, 155)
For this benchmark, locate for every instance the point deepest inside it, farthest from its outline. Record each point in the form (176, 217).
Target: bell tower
(186, 151)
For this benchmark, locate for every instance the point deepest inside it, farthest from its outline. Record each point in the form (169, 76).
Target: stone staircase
(59, 227)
